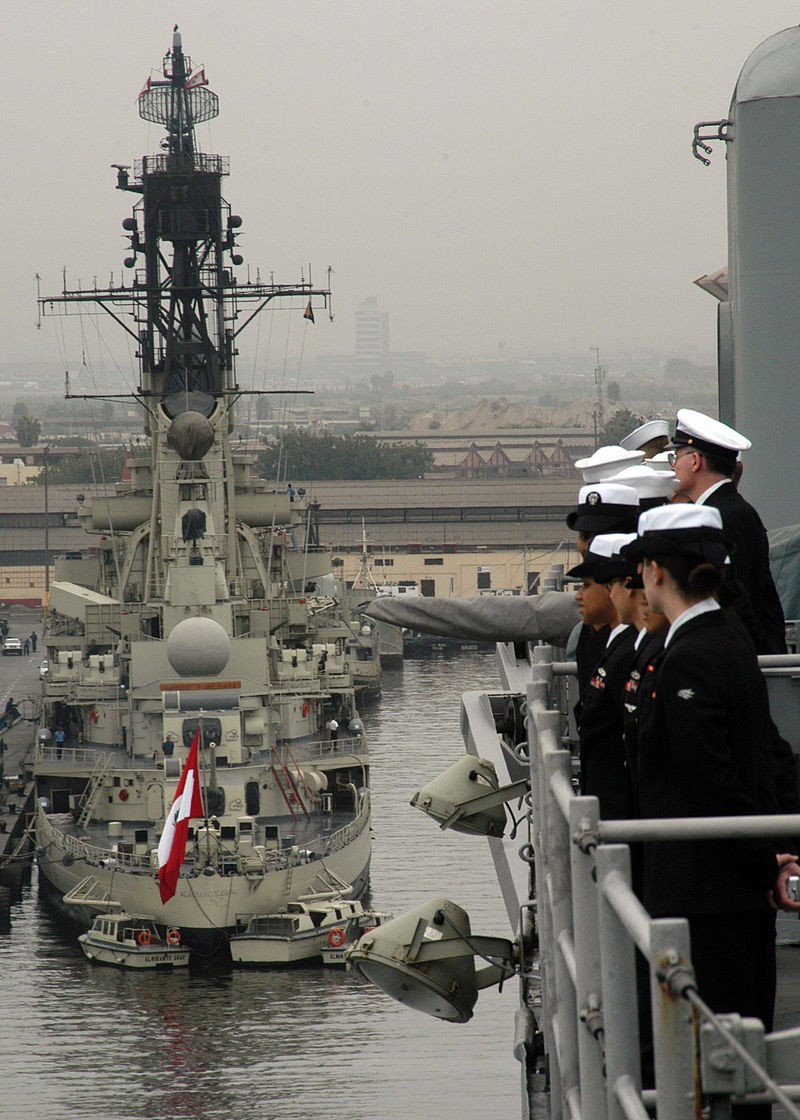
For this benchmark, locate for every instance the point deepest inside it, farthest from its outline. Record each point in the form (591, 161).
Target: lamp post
(46, 530)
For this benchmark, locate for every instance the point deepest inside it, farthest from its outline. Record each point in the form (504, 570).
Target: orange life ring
(336, 938)
(144, 938)
(173, 936)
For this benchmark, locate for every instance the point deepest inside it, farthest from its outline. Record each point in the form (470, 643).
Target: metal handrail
(590, 922)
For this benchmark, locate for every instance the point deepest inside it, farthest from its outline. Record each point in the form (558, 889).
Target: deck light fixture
(467, 797)
(425, 960)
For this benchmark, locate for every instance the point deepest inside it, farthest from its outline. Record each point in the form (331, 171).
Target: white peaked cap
(695, 429)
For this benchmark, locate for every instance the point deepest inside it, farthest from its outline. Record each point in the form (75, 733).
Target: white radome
(198, 647)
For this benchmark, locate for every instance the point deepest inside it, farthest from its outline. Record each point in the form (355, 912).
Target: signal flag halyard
(187, 804)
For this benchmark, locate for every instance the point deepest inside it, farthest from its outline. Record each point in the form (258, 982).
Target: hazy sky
(502, 175)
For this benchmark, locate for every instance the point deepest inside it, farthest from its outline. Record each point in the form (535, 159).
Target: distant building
(372, 335)
(514, 462)
(18, 473)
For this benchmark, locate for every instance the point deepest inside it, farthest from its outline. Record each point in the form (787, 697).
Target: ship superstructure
(192, 608)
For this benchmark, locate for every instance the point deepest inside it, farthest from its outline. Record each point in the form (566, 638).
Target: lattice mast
(185, 298)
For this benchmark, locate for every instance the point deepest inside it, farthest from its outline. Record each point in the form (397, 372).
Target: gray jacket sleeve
(548, 617)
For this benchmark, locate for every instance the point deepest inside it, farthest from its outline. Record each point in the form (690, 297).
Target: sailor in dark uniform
(701, 752)
(602, 753)
(603, 507)
(704, 459)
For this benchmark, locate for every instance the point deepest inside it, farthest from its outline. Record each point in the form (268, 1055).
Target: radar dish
(158, 104)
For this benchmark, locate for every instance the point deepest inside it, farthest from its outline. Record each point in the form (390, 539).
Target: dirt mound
(504, 415)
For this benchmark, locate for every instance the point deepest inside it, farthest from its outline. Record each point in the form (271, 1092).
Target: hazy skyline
(512, 177)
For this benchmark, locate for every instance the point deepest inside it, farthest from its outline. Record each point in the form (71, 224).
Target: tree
(27, 429)
(336, 457)
(620, 425)
(613, 392)
(92, 467)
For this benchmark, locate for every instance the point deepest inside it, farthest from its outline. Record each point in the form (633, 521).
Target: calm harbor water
(97, 1043)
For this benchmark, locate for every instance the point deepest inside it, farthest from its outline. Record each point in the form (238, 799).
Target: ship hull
(208, 906)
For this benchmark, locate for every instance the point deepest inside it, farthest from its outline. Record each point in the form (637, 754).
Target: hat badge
(593, 499)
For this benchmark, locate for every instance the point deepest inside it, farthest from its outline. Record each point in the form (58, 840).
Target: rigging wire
(99, 460)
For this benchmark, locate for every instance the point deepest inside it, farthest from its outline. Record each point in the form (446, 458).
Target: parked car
(44, 669)
(11, 646)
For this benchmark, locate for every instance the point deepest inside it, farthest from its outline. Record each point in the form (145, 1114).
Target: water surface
(83, 1041)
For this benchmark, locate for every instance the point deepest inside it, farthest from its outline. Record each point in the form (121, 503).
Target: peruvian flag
(172, 845)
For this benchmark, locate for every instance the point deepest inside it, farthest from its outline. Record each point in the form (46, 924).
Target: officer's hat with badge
(702, 433)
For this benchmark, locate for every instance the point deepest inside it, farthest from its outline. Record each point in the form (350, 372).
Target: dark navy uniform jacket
(641, 668)
(704, 750)
(755, 597)
(602, 751)
(590, 648)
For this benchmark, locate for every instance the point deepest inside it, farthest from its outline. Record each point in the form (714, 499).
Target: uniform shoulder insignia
(686, 693)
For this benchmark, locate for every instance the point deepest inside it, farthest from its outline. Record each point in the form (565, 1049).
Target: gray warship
(195, 610)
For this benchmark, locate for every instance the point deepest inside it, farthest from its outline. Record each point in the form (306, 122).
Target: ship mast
(185, 298)
(182, 307)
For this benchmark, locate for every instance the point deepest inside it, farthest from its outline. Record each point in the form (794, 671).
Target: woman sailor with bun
(703, 750)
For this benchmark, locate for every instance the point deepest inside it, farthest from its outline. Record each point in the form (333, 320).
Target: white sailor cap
(608, 545)
(606, 462)
(653, 429)
(654, 487)
(605, 507)
(603, 561)
(661, 463)
(681, 528)
(683, 515)
(702, 433)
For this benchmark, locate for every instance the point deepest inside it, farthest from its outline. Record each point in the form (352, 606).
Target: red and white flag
(187, 804)
(197, 79)
(145, 88)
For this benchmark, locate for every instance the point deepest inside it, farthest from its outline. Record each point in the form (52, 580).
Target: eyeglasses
(673, 456)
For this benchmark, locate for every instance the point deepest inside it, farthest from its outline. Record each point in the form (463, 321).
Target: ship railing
(348, 833)
(590, 925)
(117, 856)
(321, 750)
(48, 754)
(164, 163)
(74, 847)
